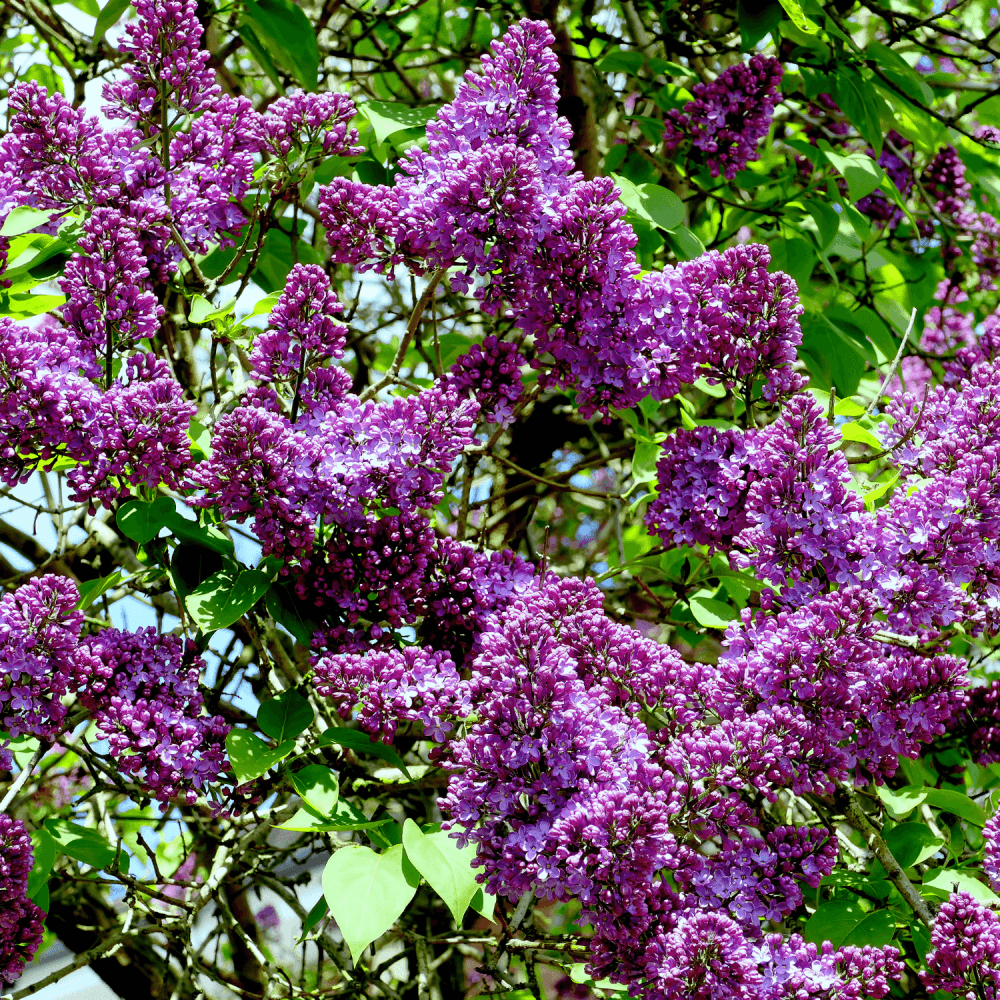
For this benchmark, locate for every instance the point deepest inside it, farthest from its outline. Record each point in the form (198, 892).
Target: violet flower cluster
(495, 195)
(21, 921)
(728, 116)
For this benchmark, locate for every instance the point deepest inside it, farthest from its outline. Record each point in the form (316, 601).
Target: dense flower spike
(21, 930)
(965, 943)
(109, 302)
(492, 372)
(313, 123)
(728, 116)
(304, 331)
(40, 658)
(415, 685)
(165, 64)
(144, 695)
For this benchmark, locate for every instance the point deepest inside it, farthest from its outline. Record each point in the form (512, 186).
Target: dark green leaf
(957, 803)
(286, 32)
(484, 904)
(621, 61)
(912, 843)
(876, 929)
(80, 842)
(362, 743)
(757, 20)
(284, 606)
(862, 173)
(388, 119)
(313, 917)
(286, 716)
(205, 535)
(109, 16)
(251, 756)
(684, 243)
(141, 520)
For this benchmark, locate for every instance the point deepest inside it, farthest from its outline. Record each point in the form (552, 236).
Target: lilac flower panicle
(21, 921)
(303, 331)
(146, 702)
(301, 119)
(728, 116)
(417, 685)
(965, 949)
(40, 659)
(492, 373)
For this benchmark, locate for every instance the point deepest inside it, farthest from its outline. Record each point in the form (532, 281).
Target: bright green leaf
(902, 801)
(318, 787)
(876, 929)
(109, 16)
(44, 850)
(957, 803)
(862, 173)
(285, 716)
(90, 590)
(944, 881)
(833, 921)
(387, 118)
(313, 917)
(661, 205)
(911, 843)
(288, 35)
(141, 520)
(23, 219)
(251, 756)
(368, 892)
(712, 613)
(362, 743)
(226, 596)
(447, 868)
(853, 431)
(797, 16)
(484, 904)
(684, 243)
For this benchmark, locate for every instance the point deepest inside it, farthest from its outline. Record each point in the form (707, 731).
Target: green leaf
(92, 589)
(109, 16)
(285, 716)
(877, 492)
(205, 535)
(23, 219)
(902, 801)
(447, 868)
(318, 787)
(862, 173)
(287, 610)
(251, 756)
(826, 219)
(387, 119)
(833, 922)
(912, 843)
(944, 881)
(141, 520)
(44, 850)
(853, 431)
(226, 596)
(712, 613)
(368, 892)
(286, 32)
(484, 904)
(859, 102)
(344, 817)
(29, 305)
(797, 16)
(684, 243)
(80, 842)
(647, 454)
(313, 917)
(957, 803)
(362, 743)
(876, 929)
(621, 61)
(662, 207)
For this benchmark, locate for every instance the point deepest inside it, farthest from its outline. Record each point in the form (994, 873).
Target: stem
(855, 815)
(411, 328)
(298, 382)
(19, 781)
(892, 368)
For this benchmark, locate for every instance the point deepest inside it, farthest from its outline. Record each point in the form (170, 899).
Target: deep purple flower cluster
(495, 194)
(144, 696)
(965, 949)
(492, 373)
(21, 921)
(413, 685)
(312, 122)
(304, 331)
(776, 499)
(728, 116)
(40, 657)
(110, 304)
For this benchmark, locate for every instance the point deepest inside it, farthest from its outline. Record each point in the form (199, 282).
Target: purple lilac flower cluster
(965, 949)
(415, 685)
(728, 116)
(491, 371)
(495, 194)
(141, 688)
(21, 921)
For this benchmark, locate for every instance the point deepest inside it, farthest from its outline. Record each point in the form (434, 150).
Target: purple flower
(965, 949)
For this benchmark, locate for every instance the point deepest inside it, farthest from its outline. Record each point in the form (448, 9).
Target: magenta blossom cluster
(965, 949)
(728, 116)
(495, 195)
(416, 684)
(491, 371)
(21, 921)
